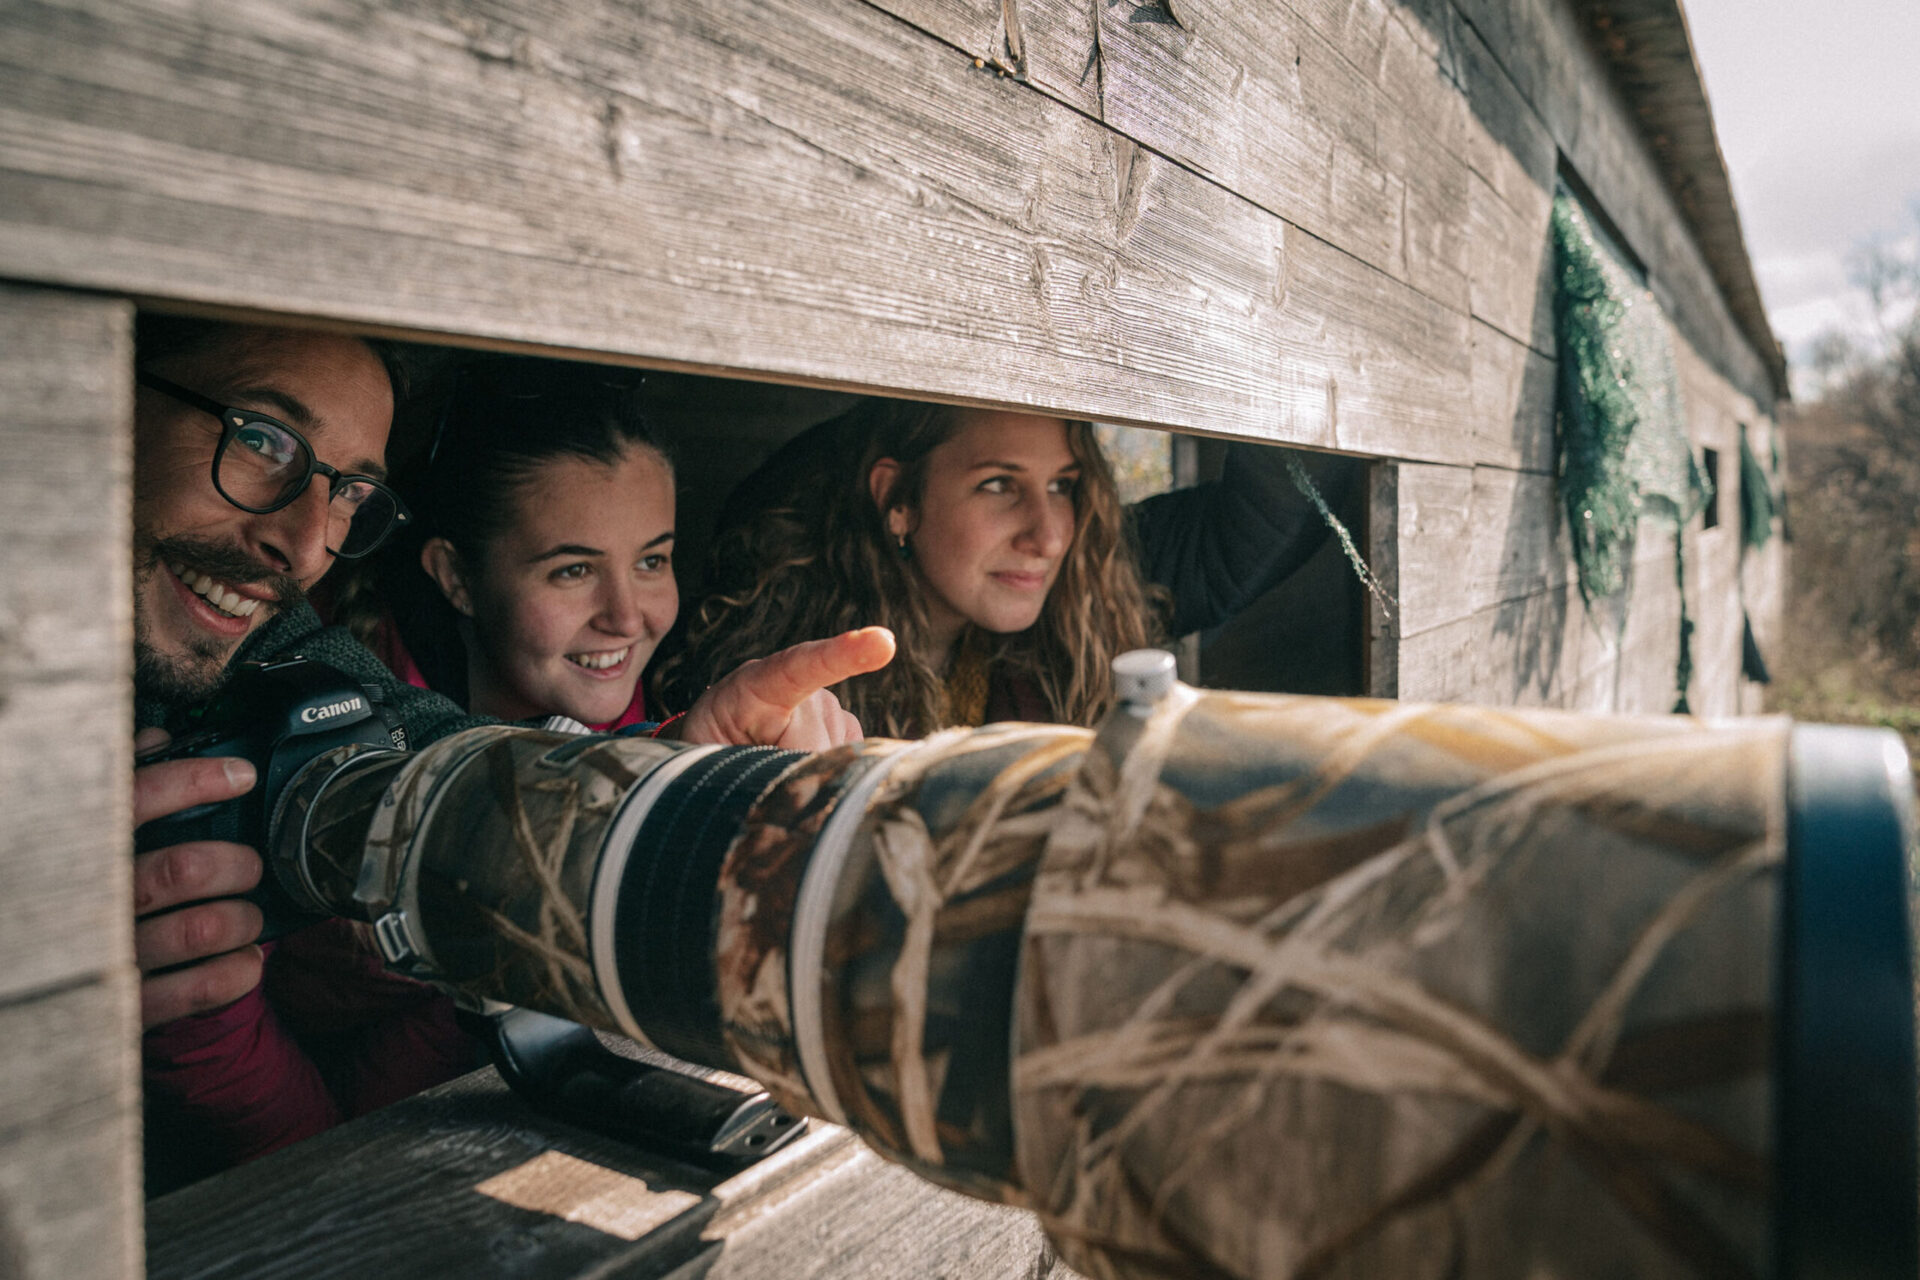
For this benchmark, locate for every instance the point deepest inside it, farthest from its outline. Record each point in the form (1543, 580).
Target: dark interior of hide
(1305, 635)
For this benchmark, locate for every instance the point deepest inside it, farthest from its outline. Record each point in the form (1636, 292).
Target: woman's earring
(904, 551)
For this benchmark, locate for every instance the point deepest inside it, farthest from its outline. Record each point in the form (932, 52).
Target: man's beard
(177, 678)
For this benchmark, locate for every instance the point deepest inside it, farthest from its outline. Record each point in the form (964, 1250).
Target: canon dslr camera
(278, 715)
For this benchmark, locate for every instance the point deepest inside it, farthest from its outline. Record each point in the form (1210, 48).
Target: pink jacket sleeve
(237, 1081)
(328, 1035)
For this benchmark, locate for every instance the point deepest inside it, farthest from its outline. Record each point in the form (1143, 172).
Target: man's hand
(782, 700)
(218, 934)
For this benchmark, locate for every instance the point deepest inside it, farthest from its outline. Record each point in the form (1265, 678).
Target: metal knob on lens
(1240, 985)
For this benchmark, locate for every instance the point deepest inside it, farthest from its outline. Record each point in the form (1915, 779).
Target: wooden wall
(69, 1024)
(1321, 222)
(1489, 611)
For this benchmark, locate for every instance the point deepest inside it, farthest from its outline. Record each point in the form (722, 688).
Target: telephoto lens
(1238, 985)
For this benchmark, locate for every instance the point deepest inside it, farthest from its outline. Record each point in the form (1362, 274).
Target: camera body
(278, 715)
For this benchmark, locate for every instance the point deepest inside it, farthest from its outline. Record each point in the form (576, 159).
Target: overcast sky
(1817, 103)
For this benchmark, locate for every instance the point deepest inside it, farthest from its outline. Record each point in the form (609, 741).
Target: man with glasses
(259, 461)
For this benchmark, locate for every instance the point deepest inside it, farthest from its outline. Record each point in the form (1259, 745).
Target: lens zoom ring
(668, 908)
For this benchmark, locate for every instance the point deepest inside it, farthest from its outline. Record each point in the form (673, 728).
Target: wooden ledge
(466, 1180)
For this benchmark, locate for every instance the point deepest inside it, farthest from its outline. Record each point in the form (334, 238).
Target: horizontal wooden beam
(816, 193)
(1262, 102)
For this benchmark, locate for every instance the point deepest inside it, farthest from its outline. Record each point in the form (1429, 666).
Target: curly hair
(805, 553)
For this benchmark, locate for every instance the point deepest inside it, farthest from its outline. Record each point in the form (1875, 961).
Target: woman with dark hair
(537, 575)
(536, 578)
(995, 546)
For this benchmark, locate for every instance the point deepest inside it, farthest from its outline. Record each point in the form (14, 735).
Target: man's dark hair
(161, 337)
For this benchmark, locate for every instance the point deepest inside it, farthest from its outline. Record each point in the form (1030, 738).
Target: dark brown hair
(503, 418)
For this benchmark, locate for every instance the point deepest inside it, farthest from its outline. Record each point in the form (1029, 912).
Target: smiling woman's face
(994, 524)
(577, 592)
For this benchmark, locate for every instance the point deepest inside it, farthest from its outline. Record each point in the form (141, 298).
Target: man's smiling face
(206, 573)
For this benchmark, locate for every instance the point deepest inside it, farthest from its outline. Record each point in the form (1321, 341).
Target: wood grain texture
(1541, 46)
(65, 639)
(1508, 144)
(1511, 264)
(1433, 534)
(1383, 557)
(1264, 104)
(828, 195)
(1473, 538)
(815, 193)
(1547, 649)
(1380, 108)
(1490, 612)
(69, 1133)
(69, 1021)
(1483, 555)
(393, 1194)
(1512, 402)
(1349, 125)
(865, 1219)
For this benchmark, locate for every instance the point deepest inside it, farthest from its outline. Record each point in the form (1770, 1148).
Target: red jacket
(328, 1035)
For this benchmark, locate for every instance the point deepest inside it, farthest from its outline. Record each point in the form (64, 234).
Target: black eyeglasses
(263, 464)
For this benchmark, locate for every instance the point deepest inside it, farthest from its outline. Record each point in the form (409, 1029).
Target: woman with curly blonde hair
(994, 545)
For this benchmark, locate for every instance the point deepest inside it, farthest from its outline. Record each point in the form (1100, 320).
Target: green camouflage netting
(1756, 498)
(1622, 444)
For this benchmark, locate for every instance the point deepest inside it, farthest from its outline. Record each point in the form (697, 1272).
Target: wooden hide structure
(1318, 222)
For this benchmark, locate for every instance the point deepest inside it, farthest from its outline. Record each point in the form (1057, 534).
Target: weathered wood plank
(1714, 597)
(865, 1219)
(1351, 118)
(69, 1117)
(1269, 107)
(1517, 633)
(1384, 617)
(1716, 406)
(1511, 267)
(1473, 538)
(1519, 653)
(69, 1132)
(65, 638)
(1727, 582)
(1277, 108)
(1433, 536)
(1512, 402)
(1050, 44)
(1541, 48)
(394, 1193)
(1507, 145)
(807, 192)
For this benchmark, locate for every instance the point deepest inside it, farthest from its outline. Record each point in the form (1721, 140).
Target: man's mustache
(226, 562)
